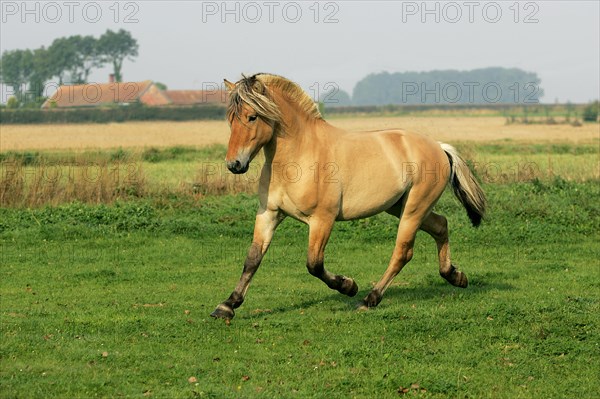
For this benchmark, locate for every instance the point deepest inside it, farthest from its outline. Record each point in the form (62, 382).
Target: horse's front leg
(264, 227)
(319, 232)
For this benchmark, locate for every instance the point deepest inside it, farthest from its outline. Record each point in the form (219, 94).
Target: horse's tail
(465, 187)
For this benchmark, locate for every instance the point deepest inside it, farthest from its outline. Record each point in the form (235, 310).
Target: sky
(195, 44)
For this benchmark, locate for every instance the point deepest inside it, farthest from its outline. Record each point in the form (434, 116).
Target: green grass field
(113, 300)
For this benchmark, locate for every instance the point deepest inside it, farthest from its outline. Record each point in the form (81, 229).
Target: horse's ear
(228, 85)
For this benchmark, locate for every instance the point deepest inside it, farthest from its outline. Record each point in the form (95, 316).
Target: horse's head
(253, 117)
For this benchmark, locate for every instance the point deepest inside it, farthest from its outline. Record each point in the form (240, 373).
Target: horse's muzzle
(237, 167)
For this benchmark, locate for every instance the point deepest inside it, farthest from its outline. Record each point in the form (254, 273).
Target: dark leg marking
(348, 287)
(437, 226)
(225, 310)
(455, 277)
(342, 284)
(372, 299)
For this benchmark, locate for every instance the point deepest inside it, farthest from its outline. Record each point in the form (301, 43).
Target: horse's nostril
(235, 166)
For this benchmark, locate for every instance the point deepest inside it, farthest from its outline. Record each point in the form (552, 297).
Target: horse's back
(392, 146)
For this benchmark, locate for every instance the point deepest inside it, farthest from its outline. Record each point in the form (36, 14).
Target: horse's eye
(252, 118)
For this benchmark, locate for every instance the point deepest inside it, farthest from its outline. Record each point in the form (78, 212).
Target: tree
(63, 57)
(590, 112)
(68, 58)
(116, 47)
(17, 67)
(42, 71)
(12, 73)
(12, 103)
(87, 57)
(26, 72)
(72, 58)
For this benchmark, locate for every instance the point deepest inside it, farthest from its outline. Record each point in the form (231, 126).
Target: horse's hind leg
(403, 252)
(319, 232)
(437, 227)
(411, 210)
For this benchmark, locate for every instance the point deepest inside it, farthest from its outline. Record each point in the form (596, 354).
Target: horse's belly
(365, 202)
(374, 173)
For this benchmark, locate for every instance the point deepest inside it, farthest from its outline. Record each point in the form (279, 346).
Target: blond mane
(256, 91)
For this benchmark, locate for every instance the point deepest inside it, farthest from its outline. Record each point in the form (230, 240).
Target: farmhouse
(195, 97)
(125, 93)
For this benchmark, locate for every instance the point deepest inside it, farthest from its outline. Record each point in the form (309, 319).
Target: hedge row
(116, 114)
(408, 108)
(215, 112)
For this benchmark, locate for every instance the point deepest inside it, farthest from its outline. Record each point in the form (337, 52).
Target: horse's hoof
(223, 312)
(461, 280)
(371, 300)
(349, 287)
(456, 277)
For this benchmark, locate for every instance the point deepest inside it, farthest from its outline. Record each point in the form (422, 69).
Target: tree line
(494, 85)
(69, 60)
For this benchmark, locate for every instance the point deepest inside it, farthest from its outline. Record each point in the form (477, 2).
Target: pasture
(109, 275)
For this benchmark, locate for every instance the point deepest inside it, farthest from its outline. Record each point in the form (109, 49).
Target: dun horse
(319, 174)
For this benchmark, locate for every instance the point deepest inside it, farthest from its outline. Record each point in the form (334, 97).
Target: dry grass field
(201, 133)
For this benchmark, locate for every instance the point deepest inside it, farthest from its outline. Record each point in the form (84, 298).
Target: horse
(319, 174)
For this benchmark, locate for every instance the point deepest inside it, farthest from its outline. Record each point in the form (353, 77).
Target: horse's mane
(256, 91)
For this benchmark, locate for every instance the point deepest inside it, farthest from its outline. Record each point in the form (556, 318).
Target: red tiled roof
(154, 96)
(146, 92)
(190, 97)
(95, 94)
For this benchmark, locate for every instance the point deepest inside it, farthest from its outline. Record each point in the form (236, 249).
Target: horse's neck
(298, 139)
(297, 135)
